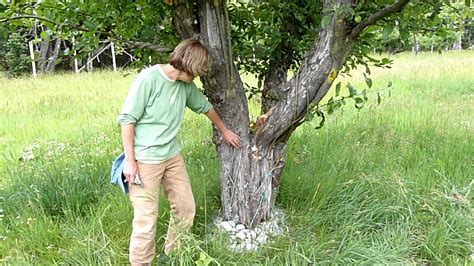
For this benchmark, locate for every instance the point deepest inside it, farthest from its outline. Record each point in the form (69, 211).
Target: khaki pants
(172, 175)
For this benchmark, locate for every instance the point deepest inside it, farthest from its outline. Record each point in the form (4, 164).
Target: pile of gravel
(243, 239)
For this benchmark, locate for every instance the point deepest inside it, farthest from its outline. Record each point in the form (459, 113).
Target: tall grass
(389, 184)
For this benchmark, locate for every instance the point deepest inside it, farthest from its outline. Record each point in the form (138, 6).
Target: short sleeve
(136, 101)
(196, 101)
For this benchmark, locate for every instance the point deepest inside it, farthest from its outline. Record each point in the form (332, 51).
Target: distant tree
(316, 39)
(145, 27)
(441, 28)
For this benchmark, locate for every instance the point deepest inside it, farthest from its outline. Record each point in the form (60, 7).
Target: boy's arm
(130, 167)
(228, 136)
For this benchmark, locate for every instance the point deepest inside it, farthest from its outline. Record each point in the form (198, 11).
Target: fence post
(32, 55)
(114, 64)
(76, 67)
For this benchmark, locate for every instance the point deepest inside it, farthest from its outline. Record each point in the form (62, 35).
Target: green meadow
(388, 184)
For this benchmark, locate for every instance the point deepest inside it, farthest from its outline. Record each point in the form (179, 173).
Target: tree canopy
(260, 30)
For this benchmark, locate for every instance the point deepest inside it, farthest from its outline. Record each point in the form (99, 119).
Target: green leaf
(359, 102)
(384, 2)
(326, 20)
(367, 69)
(368, 81)
(44, 35)
(203, 260)
(352, 90)
(385, 61)
(404, 33)
(309, 116)
(66, 51)
(323, 119)
(330, 105)
(338, 88)
(364, 94)
(4, 33)
(379, 99)
(89, 25)
(389, 84)
(387, 30)
(351, 11)
(468, 3)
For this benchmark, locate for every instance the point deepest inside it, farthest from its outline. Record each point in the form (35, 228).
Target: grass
(389, 184)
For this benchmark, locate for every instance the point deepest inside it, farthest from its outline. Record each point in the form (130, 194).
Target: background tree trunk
(48, 57)
(52, 60)
(43, 56)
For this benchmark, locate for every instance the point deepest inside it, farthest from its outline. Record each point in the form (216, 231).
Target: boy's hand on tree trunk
(231, 138)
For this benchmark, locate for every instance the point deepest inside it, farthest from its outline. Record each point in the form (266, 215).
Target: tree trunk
(54, 56)
(250, 176)
(48, 56)
(43, 56)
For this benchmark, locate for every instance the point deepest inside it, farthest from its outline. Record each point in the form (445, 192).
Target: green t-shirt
(155, 105)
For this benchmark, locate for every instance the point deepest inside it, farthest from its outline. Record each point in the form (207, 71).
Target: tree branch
(183, 18)
(40, 18)
(311, 82)
(29, 16)
(147, 45)
(278, 68)
(129, 44)
(372, 19)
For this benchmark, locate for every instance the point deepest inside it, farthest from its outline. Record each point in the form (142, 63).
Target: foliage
(261, 30)
(3, 39)
(439, 27)
(15, 59)
(127, 23)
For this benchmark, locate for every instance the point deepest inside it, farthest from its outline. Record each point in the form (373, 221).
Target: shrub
(16, 60)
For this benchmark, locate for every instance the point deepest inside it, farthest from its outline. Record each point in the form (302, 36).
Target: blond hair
(191, 57)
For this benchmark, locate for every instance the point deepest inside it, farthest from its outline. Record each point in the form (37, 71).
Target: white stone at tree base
(262, 238)
(240, 227)
(242, 239)
(240, 235)
(253, 234)
(227, 226)
(249, 246)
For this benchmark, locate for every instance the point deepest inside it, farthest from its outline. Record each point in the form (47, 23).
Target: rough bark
(53, 59)
(43, 56)
(250, 175)
(48, 56)
(271, 94)
(225, 90)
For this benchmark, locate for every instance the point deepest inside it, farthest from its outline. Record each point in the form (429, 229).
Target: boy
(150, 119)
